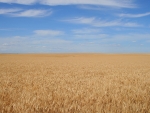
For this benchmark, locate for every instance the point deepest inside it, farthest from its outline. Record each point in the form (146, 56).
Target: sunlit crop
(74, 83)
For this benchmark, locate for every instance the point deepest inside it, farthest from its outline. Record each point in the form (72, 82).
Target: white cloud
(87, 7)
(101, 23)
(31, 44)
(32, 13)
(112, 3)
(97, 7)
(16, 12)
(90, 36)
(7, 11)
(26, 2)
(81, 20)
(134, 15)
(48, 32)
(130, 38)
(133, 41)
(85, 31)
(5, 44)
(88, 33)
(100, 43)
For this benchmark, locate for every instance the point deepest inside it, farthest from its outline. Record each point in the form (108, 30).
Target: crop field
(74, 83)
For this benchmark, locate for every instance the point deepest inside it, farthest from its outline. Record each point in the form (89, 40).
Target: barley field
(74, 83)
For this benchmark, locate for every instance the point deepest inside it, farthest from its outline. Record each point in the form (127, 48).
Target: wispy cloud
(90, 36)
(131, 37)
(32, 13)
(95, 43)
(101, 23)
(112, 3)
(8, 11)
(86, 31)
(16, 12)
(81, 20)
(29, 44)
(89, 7)
(134, 15)
(48, 32)
(26, 2)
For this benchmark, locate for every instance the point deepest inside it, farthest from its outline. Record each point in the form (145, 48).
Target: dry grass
(74, 83)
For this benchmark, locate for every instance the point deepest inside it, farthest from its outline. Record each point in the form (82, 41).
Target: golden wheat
(74, 83)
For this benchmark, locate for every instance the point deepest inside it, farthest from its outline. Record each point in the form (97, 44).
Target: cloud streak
(32, 13)
(134, 15)
(101, 23)
(101, 43)
(48, 32)
(9, 11)
(16, 12)
(111, 3)
(25, 2)
(85, 31)
(88, 7)
(90, 36)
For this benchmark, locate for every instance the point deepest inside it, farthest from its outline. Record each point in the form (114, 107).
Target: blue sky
(68, 26)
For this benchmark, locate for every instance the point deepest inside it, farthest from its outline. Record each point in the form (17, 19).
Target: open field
(74, 83)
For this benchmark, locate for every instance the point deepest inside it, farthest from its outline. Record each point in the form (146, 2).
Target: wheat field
(74, 83)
